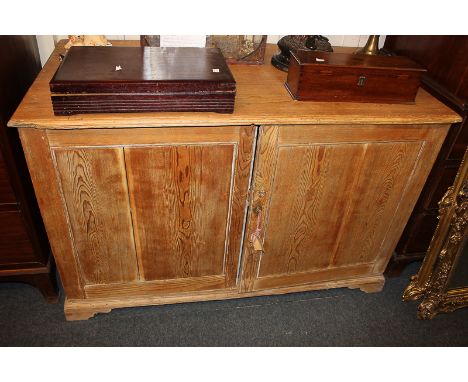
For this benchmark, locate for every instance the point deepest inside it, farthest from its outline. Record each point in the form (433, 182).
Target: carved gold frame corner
(431, 282)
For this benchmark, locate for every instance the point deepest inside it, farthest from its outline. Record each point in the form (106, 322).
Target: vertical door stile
(260, 195)
(132, 217)
(242, 166)
(247, 199)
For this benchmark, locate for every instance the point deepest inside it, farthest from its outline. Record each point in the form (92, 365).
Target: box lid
(141, 69)
(307, 57)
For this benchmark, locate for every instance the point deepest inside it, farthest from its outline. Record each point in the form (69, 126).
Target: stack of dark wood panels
(142, 79)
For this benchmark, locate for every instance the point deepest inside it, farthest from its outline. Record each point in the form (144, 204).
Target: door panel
(96, 197)
(386, 170)
(182, 193)
(328, 200)
(310, 193)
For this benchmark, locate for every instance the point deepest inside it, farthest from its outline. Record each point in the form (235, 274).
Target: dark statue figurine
(298, 42)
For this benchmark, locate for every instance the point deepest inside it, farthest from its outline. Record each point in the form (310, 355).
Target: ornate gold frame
(431, 282)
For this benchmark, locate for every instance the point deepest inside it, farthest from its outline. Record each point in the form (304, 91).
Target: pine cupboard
(281, 196)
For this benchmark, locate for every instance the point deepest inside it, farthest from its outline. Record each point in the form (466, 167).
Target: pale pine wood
(84, 312)
(183, 194)
(95, 191)
(333, 202)
(372, 287)
(83, 309)
(159, 287)
(316, 275)
(142, 136)
(309, 196)
(387, 170)
(193, 198)
(36, 150)
(432, 144)
(240, 189)
(261, 99)
(260, 194)
(350, 133)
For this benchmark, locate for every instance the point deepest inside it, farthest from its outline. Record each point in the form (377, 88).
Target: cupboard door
(155, 211)
(330, 202)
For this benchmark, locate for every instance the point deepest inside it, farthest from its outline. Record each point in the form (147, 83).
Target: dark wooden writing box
(142, 79)
(341, 77)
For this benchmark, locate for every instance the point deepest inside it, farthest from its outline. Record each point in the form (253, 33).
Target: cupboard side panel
(47, 189)
(180, 199)
(95, 192)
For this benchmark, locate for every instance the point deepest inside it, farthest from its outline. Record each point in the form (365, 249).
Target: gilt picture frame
(433, 283)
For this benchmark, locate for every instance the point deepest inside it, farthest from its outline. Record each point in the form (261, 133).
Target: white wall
(46, 46)
(46, 43)
(338, 40)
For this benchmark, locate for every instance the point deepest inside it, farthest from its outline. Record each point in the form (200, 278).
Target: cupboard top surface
(261, 99)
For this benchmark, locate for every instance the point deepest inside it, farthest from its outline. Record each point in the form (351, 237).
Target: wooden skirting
(87, 308)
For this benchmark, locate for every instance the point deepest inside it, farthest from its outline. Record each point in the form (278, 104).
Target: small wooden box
(342, 77)
(142, 79)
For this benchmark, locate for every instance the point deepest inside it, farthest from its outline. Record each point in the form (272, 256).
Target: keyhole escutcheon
(362, 80)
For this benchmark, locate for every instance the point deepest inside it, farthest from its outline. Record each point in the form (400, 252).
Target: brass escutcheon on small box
(362, 80)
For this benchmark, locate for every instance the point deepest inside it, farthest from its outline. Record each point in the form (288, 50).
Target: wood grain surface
(95, 192)
(180, 202)
(386, 171)
(157, 287)
(143, 136)
(331, 199)
(313, 184)
(83, 309)
(261, 186)
(37, 151)
(188, 203)
(261, 99)
(324, 76)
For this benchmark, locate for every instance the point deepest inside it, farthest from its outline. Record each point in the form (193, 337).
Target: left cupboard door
(154, 212)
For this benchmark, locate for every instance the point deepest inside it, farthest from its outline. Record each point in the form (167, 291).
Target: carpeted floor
(339, 317)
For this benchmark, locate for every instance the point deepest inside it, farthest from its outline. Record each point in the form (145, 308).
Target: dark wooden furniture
(347, 77)
(142, 79)
(24, 249)
(446, 59)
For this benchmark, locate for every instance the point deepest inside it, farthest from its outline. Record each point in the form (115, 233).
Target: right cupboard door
(329, 202)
